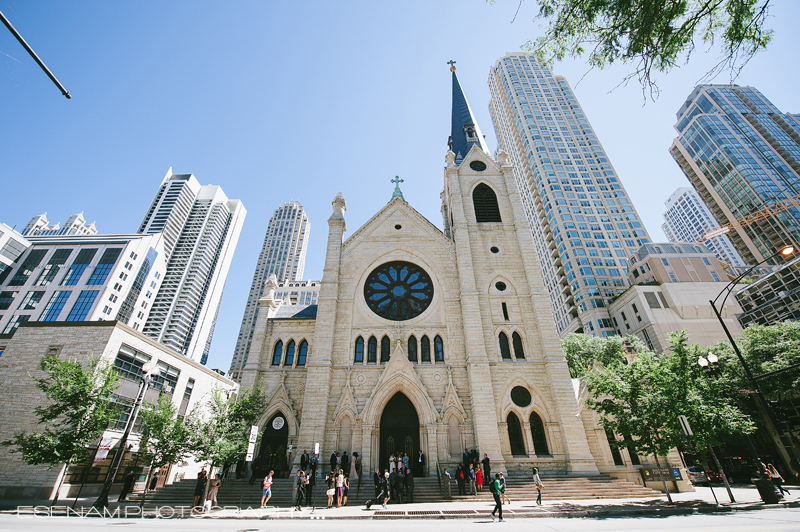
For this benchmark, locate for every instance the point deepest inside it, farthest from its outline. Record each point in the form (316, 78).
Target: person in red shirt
(267, 489)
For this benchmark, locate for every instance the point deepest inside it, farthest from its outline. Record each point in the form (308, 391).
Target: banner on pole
(106, 443)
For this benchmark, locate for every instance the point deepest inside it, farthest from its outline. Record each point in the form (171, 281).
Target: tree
(221, 438)
(643, 399)
(654, 35)
(78, 412)
(582, 350)
(165, 439)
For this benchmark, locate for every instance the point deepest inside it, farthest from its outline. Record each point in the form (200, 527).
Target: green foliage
(655, 35)
(77, 413)
(643, 400)
(582, 350)
(222, 437)
(165, 439)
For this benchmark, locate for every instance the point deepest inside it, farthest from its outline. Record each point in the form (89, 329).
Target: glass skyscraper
(687, 219)
(583, 222)
(282, 254)
(742, 155)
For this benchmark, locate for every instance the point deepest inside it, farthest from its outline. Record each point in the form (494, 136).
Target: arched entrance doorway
(399, 430)
(272, 453)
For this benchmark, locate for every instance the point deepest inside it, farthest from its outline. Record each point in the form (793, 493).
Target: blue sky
(278, 101)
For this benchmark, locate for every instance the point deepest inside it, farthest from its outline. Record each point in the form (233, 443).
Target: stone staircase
(556, 487)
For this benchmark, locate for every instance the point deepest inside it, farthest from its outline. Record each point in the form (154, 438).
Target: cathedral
(425, 339)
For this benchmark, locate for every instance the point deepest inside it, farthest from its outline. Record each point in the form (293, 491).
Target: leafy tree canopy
(77, 412)
(653, 35)
(582, 350)
(165, 437)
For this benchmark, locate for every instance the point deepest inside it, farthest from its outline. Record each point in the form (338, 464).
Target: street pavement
(700, 502)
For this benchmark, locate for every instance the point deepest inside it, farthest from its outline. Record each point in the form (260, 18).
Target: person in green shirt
(498, 504)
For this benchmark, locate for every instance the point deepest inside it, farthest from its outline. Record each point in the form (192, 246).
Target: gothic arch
(485, 203)
(426, 411)
(500, 276)
(288, 414)
(538, 405)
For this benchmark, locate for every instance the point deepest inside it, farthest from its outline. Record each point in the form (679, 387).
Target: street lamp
(102, 499)
(761, 402)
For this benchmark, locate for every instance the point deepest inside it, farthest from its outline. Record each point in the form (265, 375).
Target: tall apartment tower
(742, 155)
(283, 254)
(583, 222)
(201, 227)
(687, 219)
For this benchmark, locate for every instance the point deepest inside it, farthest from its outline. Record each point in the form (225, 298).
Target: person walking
(498, 505)
(777, 479)
(471, 477)
(300, 489)
(503, 496)
(446, 482)
(410, 485)
(127, 485)
(199, 488)
(384, 494)
(266, 491)
(539, 486)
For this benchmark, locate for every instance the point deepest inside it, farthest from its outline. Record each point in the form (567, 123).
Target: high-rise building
(283, 254)
(687, 219)
(83, 278)
(583, 222)
(742, 155)
(12, 246)
(75, 225)
(201, 227)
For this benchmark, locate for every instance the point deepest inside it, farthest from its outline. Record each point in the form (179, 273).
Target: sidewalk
(700, 501)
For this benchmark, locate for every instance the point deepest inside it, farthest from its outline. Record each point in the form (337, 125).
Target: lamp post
(761, 403)
(102, 499)
(711, 366)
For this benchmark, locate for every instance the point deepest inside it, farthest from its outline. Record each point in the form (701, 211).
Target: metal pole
(721, 472)
(102, 499)
(16, 34)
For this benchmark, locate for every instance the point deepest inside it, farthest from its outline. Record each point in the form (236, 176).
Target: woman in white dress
(392, 464)
(353, 468)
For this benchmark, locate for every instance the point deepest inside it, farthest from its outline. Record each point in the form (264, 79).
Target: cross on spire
(397, 193)
(452, 65)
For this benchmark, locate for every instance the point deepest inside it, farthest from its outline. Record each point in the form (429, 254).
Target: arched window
(425, 344)
(539, 435)
(277, 354)
(289, 353)
(359, 350)
(516, 340)
(372, 349)
(485, 202)
(412, 349)
(438, 349)
(385, 346)
(515, 436)
(302, 353)
(504, 351)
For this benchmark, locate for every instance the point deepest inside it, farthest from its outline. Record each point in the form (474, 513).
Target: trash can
(767, 490)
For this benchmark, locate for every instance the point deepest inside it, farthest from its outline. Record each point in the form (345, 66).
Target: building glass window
(75, 271)
(54, 306)
(438, 349)
(82, 306)
(385, 347)
(29, 264)
(539, 435)
(15, 322)
(104, 266)
(289, 353)
(277, 353)
(359, 354)
(412, 348)
(302, 353)
(165, 378)
(54, 265)
(372, 349)
(129, 363)
(6, 298)
(515, 436)
(505, 352)
(485, 202)
(425, 345)
(516, 340)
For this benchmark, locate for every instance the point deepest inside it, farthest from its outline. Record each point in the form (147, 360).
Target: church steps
(426, 490)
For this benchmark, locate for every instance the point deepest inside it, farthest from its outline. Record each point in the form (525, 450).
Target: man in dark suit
(465, 459)
(400, 484)
(377, 478)
(333, 461)
(304, 460)
(421, 464)
(409, 481)
(487, 469)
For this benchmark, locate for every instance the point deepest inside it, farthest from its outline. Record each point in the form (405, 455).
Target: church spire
(464, 132)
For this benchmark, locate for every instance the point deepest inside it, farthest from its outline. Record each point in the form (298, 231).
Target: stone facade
(21, 355)
(487, 284)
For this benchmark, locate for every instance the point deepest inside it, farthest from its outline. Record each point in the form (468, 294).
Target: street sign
(687, 430)
(106, 442)
(253, 433)
(316, 448)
